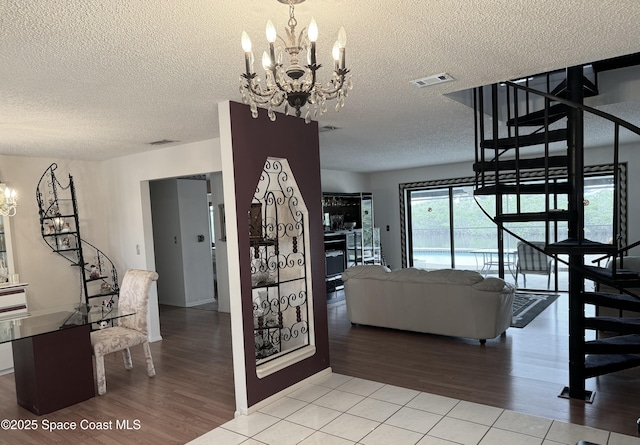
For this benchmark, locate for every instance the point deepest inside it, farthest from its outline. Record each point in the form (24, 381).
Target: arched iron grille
(278, 263)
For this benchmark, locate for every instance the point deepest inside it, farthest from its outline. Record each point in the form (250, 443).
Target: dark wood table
(52, 355)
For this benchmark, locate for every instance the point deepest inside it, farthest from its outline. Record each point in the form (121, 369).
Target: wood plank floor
(193, 390)
(524, 370)
(191, 394)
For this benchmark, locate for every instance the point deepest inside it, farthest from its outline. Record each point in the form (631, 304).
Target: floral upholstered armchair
(131, 330)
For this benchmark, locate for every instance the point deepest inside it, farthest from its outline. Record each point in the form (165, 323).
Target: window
(444, 227)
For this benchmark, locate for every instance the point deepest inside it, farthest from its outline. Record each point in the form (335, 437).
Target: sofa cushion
(366, 271)
(493, 284)
(442, 276)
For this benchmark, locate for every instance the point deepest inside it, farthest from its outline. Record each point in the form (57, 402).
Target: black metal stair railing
(60, 230)
(508, 156)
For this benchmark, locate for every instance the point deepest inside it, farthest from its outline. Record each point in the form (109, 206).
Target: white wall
(344, 182)
(129, 217)
(52, 282)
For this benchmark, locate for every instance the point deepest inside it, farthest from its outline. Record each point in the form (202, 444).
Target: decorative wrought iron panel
(277, 233)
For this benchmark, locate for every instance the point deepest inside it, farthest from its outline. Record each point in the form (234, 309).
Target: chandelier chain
(292, 19)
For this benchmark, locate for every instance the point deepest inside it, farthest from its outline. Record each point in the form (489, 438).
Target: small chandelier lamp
(294, 86)
(8, 201)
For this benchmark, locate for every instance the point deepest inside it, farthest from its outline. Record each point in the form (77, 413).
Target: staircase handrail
(610, 117)
(620, 251)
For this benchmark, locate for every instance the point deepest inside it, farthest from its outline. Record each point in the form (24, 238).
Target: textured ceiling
(95, 79)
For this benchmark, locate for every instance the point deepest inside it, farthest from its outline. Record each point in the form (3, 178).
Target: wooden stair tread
(623, 278)
(626, 325)
(616, 301)
(537, 118)
(525, 140)
(521, 164)
(523, 189)
(600, 364)
(621, 344)
(577, 246)
(554, 215)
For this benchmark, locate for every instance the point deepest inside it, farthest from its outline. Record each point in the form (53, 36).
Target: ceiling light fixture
(296, 85)
(8, 201)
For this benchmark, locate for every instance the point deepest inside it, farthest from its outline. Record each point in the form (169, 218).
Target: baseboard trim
(200, 302)
(274, 398)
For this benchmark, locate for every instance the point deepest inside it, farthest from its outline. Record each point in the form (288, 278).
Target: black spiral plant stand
(60, 230)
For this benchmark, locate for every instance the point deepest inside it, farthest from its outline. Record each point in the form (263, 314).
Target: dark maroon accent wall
(253, 141)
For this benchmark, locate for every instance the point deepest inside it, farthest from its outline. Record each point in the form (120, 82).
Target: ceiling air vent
(162, 142)
(327, 128)
(432, 80)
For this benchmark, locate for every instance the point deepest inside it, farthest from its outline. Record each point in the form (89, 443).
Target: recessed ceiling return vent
(432, 80)
(327, 128)
(162, 142)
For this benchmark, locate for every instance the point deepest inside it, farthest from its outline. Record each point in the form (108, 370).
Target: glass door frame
(451, 184)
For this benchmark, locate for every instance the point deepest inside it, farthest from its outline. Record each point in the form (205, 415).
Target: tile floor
(343, 410)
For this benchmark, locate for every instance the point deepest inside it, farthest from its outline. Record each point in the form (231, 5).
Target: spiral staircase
(522, 132)
(60, 229)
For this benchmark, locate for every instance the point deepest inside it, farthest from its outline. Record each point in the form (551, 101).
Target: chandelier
(8, 201)
(294, 86)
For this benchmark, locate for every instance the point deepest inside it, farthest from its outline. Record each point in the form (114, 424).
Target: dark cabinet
(350, 237)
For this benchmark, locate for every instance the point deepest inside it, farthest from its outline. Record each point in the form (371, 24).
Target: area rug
(526, 307)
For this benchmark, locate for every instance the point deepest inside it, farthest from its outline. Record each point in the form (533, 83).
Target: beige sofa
(450, 302)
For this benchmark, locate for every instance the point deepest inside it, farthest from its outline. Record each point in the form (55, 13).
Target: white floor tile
(339, 400)
(350, 427)
(433, 403)
(309, 393)
(475, 412)
(372, 413)
(361, 387)
(314, 416)
(570, 433)
(414, 420)
(394, 394)
(459, 431)
(502, 437)
(372, 409)
(284, 433)
(333, 381)
(251, 424)
(621, 439)
(217, 436)
(387, 434)
(283, 407)
(523, 423)
(429, 440)
(320, 438)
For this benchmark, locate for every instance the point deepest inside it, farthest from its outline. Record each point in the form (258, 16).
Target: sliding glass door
(430, 223)
(446, 228)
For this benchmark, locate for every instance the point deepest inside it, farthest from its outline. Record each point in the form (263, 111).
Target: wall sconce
(8, 201)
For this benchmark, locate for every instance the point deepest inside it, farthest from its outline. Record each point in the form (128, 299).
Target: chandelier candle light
(296, 85)
(8, 201)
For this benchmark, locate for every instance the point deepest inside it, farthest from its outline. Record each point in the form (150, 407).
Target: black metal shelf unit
(60, 230)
